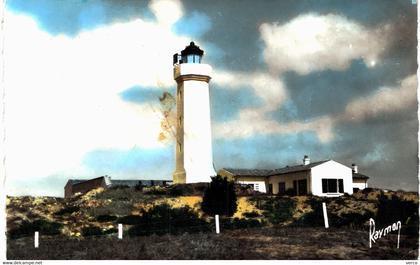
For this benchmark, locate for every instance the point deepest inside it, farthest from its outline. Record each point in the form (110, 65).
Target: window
(282, 188)
(302, 187)
(340, 186)
(270, 188)
(332, 186)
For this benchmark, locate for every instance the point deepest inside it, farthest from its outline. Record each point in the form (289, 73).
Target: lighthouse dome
(192, 54)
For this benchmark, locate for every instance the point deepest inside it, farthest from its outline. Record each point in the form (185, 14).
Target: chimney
(354, 168)
(107, 179)
(306, 160)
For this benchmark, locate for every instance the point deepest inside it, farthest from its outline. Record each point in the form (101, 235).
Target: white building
(193, 150)
(322, 178)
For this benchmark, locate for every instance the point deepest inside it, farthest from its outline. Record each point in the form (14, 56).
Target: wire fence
(178, 226)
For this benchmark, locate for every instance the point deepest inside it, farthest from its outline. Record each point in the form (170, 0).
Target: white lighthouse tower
(193, 150)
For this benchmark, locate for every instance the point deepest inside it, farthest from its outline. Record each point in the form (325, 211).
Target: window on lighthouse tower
(192, 58)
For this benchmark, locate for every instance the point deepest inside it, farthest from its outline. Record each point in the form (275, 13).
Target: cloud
(195, 24)
(384, 100)
(306, 44)
(167, 12)
(253, 120)
(63, 93)
(253, 123)
(267, 87)
(313, 42)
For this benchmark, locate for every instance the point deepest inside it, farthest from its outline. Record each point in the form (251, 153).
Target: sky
(329, 79)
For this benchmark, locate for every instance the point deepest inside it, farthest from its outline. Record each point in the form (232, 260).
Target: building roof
(118, 182)
(272, 172)
(134, 182)
(77, 181)
(359, 176)
(192, 49)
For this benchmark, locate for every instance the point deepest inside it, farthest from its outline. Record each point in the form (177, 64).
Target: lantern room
(191, 54)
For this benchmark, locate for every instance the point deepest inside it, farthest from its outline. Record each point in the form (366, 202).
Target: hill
(175, 212)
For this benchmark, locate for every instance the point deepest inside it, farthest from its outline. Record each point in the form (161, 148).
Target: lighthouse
(193, 148)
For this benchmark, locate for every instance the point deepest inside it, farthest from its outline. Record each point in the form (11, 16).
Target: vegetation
(278, 209)
(259, 218)
(163, 219)
(97, 231)
(219, 197)
(391, 210)
(252, 214)
(44, 227)
(68, 209)
(252, 243)
(106, 218)
(130, 219)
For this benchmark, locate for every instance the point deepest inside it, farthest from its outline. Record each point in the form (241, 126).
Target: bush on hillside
(181, 190)
(44, 227)
(163, 219)
(396, 209)
(252, 214)
(314, 217)
(97, 231)
(119, 187)
(278, 209)
(106, 218)
(68, 209)
(237, 223)
(219, 197)
(155, 190)
(130, 219)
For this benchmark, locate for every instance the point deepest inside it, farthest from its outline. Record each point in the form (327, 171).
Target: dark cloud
(385, 147)
(328, 92)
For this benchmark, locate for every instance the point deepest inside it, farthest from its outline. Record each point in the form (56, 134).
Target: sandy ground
(256, 243)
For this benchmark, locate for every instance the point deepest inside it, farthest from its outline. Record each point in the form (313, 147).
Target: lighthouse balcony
(192, 69)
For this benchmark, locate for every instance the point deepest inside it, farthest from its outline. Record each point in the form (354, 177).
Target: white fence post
(217, 224)
(120, 231)
(36, 239)
(324, 210)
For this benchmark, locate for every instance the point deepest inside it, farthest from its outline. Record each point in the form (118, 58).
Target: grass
(251, 243)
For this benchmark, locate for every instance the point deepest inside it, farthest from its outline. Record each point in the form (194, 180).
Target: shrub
(43, 226)
(139, 186)
(219, 197)
(97, 231)
(314, 217)
(245, 223)
(396, 209)
(130, 220)
(278, 209)
(68, 209)
(290, 192)
(181, 189)
(155, 190)
(351, 219)
(236, 223)
(119, 187)
(163, 219)
(106, 218)
(251, 214)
